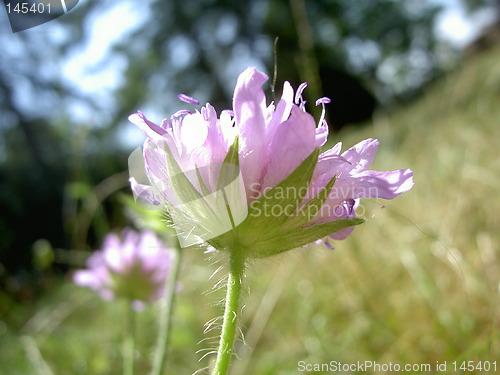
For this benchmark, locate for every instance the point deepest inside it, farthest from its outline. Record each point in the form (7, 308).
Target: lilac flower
(285, 194)
(134, 267)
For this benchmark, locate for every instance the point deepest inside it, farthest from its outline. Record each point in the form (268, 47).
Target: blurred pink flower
(134, 267)
(274, 147)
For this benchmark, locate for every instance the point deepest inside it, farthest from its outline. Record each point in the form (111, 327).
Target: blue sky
(456, 26)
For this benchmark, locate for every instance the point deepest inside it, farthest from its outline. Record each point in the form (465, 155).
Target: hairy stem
(231, 309)
(166, 313)
(129, 341)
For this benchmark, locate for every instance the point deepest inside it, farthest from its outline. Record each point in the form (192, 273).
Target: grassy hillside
(417, 284)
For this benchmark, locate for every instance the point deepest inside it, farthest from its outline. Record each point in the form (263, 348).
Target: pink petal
(216, 142)
(293, 142)
(321, 134)
(249, 108)
(284, 106)
(152, 130)
(386, 185)
(194, 132)
(146, 193)
(86, 278)
(361, 155)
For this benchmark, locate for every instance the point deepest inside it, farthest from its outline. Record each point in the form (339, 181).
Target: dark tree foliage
(474, 5)
(356, 52)
(41, 153)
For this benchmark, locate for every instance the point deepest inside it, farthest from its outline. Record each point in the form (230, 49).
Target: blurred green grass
(416, 284)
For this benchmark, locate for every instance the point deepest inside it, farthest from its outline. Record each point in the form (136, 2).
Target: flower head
(254, 176)
(134, 267)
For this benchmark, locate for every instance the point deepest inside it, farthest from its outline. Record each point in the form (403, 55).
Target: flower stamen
(187, 99)
(299, 100)
(324, 100)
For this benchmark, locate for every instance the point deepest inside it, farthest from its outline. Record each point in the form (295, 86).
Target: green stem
(166, 313)
(129, 341)
(230, 319)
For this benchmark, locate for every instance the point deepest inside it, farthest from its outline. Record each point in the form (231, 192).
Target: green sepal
(229, 171)
(184, 189)
(189, 196)
(311, 208)
(204, 189)
(228, 165)
(300, 237)
(279, 198)
(261, 246)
